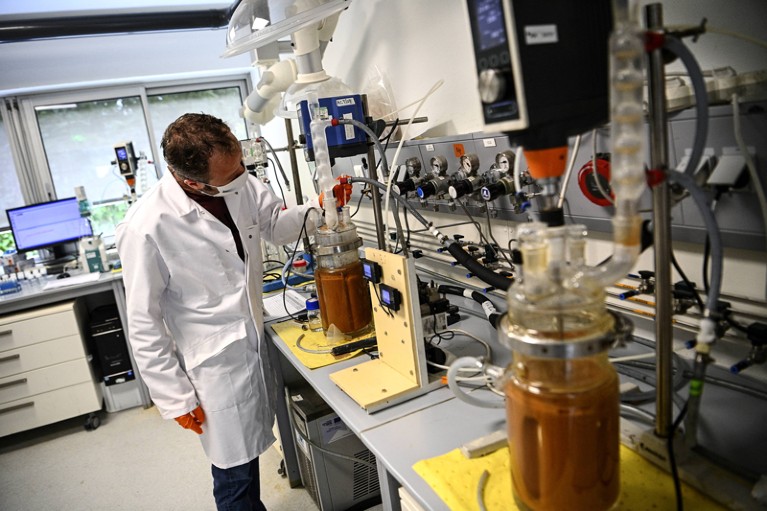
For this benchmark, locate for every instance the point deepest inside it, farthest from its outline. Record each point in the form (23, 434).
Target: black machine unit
(335, 483)
(542, 69)
(109, 346)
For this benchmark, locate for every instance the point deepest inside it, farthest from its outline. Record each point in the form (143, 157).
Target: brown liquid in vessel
(344, 298)
(564, 446)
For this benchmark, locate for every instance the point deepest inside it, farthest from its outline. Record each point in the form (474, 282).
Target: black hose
(486, 274)
(478, 297)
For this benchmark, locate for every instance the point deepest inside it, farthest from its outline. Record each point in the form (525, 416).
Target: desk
(435, 423)
(391, 467)
(32, 295)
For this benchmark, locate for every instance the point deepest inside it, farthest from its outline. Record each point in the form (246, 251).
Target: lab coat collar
(180, 203)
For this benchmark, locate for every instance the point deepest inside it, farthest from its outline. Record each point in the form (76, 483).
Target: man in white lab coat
(192, 267)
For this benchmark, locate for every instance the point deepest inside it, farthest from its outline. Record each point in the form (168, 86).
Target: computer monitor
(54, 225)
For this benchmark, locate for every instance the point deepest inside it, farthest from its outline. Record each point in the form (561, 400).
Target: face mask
(233, 186)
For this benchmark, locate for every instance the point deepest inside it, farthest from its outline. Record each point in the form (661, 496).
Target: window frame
(38, 186)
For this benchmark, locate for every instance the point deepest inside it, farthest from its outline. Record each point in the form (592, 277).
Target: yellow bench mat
(289, 331)
(643, 485)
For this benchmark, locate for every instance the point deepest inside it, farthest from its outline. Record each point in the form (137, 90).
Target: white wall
(417, 42)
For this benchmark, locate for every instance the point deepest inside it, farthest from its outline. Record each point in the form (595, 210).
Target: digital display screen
(490, 23)
(122, 154)
(371, 271)
(47, 224)
(386, 296)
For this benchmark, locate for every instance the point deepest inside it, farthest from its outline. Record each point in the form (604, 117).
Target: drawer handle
(6, 332)
(17, 407)
(12, 357)
(12, 383)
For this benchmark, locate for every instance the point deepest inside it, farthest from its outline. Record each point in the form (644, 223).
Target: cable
(336, 454)
(405, 134)
(279, 164)
(309, 350)
(598, 182)
(672, 458)
(359, 203)
(481, 490)
(517, 170)
(490, 233)
(757, 182)
(687, 281)
(284, 203)
(292, 256)
(569, 171)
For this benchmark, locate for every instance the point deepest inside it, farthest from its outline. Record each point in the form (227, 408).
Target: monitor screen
(47, 224)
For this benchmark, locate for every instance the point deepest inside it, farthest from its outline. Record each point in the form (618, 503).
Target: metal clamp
(521, 342)
(338, 249)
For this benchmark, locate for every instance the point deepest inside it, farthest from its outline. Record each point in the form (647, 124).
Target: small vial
(313, 315)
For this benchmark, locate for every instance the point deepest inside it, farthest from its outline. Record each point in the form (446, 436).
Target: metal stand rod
(661, 229)
(373, 174)
(294, 162)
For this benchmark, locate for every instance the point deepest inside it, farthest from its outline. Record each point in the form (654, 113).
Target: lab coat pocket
(198, 283)
(224, 380)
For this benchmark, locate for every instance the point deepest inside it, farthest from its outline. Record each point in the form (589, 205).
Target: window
(223, 103)
(10, 190)
(74, 134)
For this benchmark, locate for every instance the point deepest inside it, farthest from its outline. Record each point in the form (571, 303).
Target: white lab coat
(195, 311)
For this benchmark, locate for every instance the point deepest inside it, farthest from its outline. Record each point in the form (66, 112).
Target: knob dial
(492, 85)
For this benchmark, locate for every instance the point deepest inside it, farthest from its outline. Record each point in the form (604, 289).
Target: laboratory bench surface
(436, 423)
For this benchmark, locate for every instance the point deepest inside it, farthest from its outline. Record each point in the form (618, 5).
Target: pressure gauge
(438, 165)
(505, 160)
(413, 166)
(469, 164)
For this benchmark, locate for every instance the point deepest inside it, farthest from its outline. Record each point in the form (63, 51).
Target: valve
(757, 334)
(646, 285)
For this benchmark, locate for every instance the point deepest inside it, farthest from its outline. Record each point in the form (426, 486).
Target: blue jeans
(237, 488)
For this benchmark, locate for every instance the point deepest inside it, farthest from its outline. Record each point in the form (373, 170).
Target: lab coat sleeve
(281, 226)
(145, 277)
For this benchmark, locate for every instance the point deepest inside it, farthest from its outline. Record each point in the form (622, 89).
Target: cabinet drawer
(27, 328)
(49, 407)
(39, 355)
(35, 382)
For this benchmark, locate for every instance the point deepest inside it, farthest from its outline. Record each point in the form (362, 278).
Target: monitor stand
(61, 255)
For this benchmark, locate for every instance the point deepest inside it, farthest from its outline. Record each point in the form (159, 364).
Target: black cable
(289, 270)
(359, 203)
(672, 458)
(273, 261)
(687, 282)
(490, 233)
(407, 227)
(279, 185)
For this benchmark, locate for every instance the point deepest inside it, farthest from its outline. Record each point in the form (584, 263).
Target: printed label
(541, 34)
(344, 101)
(488, 142)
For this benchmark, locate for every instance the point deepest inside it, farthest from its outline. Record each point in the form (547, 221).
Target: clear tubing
(627, 153)
(569, 171)
(322, 160)
(707, 333)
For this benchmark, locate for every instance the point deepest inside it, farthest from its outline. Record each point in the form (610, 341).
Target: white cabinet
(44, 372)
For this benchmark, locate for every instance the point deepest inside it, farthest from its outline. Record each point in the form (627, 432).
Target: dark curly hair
(190, 141)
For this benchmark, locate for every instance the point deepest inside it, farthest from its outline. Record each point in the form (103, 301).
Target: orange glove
(342, 192)
(192, 420)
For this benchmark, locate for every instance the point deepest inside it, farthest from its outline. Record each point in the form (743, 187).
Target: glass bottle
(313, 315)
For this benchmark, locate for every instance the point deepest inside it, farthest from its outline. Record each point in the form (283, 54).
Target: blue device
(343, 140)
